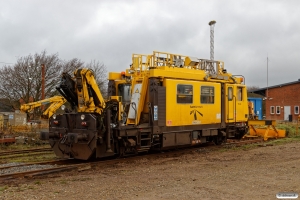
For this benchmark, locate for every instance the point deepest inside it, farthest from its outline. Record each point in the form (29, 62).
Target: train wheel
(218, 140)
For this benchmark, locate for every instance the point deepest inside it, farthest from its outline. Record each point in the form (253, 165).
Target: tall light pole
(267, 78)
(212, 25)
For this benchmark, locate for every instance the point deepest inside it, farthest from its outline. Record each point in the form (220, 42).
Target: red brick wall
(288, 95)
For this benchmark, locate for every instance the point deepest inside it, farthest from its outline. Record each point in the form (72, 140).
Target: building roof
(5, 108)
(5, 105)
(262, 91)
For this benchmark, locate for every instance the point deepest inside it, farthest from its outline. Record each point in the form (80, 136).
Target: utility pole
(212, 25)
(43, 84)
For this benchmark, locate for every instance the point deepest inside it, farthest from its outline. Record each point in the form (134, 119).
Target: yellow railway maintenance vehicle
(175, 101)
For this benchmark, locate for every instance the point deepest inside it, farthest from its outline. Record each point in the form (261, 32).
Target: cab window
(230, 94)
(207, 95)
(239, 94)
(184, 93)
(124, 91)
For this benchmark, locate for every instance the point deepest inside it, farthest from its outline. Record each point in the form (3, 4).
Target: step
(145, 138)
(143, 150)
(145, 147)
(231, 131)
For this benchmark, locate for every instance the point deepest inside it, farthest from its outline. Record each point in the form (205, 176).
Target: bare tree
(71, 65)
(250, 93)
(23, 81)
(250, 88)
(100, 75)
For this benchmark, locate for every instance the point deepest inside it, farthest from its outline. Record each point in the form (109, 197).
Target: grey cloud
(110, 31)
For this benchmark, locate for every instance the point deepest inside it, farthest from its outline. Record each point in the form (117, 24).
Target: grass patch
(37, 157)
(63, 182)
(249, 146)
(3, 188)
(13, 147)
(234, 147)
(223, 149)
(81, 179)
(37, 183)
(292, 129)
(283, 140)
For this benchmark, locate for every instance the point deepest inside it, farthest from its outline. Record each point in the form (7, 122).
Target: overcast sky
(109, 31)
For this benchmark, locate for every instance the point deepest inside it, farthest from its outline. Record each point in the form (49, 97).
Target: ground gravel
(16, 168)
(258, 173)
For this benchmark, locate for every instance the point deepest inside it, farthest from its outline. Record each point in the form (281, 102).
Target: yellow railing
(143, 62)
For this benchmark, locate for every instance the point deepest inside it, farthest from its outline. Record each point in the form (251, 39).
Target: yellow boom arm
(55, 101)
(89, 95)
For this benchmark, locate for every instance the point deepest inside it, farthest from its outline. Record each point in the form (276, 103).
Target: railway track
(50, 167)
(38, 171)
(25, 151)
(243, 141)
(26, 170)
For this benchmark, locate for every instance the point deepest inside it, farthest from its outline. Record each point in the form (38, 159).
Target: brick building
(282, 101)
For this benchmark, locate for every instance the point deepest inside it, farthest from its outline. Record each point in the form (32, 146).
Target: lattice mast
(212, 25)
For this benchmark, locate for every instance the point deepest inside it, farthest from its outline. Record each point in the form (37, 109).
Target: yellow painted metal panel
(262, 122)
(139, 87)
(114, 75)
(180, 73)
(191, 113)
(136, 61)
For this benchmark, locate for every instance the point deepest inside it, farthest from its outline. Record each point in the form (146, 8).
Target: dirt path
(258, 173)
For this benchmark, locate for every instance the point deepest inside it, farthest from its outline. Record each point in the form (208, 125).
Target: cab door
(241, 108)
(230, 102)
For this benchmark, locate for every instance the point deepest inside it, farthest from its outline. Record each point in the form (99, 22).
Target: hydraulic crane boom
(82, 91)
(55, 101)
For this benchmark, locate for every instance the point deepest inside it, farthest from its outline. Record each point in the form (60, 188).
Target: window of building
(207, 94)
(239, 94)
(230, 94)
(184, 93)
(296, 109)
(277, 109)
(272, 110)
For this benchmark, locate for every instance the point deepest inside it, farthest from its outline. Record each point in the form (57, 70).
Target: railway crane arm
(55, 101)
(82, 91)
(89, 95)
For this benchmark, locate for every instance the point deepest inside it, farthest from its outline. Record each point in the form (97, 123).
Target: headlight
(63, 107)
(82, 117)
(54, 116)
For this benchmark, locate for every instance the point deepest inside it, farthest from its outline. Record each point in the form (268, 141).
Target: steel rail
(15, 152)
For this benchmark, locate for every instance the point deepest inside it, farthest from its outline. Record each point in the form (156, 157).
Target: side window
(296, 109)
(230, 94)
(207, 94)
(277, 109)
(124, 91)
(272, 110)
(239, 94)
(184, 93)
